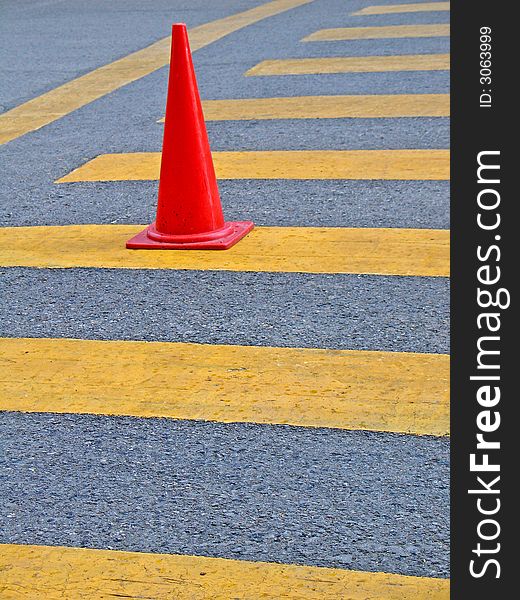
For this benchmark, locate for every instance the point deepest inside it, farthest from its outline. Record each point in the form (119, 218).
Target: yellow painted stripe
(328, 107)
(52, 573)
(367, 33)
(344, 389)
(296, 164)
(81, 91)
(421, 252)
(352, 64)
(387, 9)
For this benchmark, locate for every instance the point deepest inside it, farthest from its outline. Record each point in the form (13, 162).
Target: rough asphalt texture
(357, 500)
(263, 309)
(274, 203)
(283, 494)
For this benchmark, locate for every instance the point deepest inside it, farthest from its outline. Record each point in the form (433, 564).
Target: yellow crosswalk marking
(419, 252)
(52, 573)
(294, 164)
(387, 9)
(80, 91)
(351, 64)
(367, 33)
(328, 107)
(344, 389)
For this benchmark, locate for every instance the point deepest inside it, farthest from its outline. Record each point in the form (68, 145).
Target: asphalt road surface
(355, 500)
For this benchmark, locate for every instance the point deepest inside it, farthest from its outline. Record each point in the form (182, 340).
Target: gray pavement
(334, 203)
(357, 500)
(47, 43)
(314, 496)
(268, 309)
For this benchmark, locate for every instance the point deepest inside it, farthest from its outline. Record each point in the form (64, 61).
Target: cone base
(234, 232)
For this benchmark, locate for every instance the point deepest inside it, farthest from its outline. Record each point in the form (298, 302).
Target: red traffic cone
(189, 213)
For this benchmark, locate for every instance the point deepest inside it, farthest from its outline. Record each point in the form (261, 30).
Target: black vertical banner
(483, 76)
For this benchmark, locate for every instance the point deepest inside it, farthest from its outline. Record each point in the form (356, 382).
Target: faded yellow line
(387, 9)
(352, 64)
(420, 252)
(293, 164)
(54, 573)
(328, 107)
(367, 33)
(344, 389)
(81, 91)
